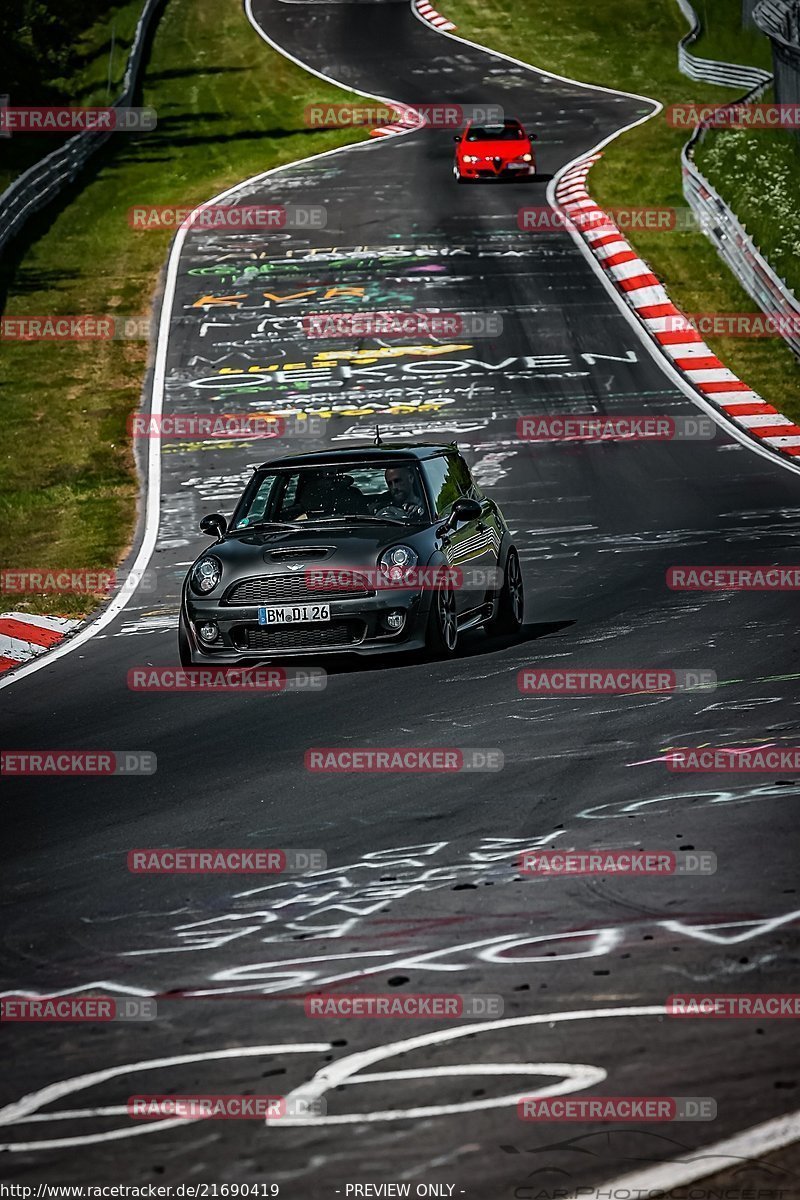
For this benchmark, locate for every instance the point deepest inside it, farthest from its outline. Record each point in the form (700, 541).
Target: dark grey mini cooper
(365, 550)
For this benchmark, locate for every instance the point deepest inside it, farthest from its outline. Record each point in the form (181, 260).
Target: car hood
(497, 149)
(266, 552)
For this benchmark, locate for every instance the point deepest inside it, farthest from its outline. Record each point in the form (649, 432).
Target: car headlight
(205, 575)
(397, 563)
(527, 158)
(471, 158)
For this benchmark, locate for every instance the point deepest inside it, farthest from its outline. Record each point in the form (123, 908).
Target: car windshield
(495, 133)
(337, 493)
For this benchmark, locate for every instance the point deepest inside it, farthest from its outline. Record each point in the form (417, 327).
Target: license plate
(294, 614)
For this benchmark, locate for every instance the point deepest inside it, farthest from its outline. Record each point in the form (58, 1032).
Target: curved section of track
(421, 891)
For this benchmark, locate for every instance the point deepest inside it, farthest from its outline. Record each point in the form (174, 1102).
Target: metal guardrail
(36, 186)
(722, 227)
(737, 249)
(707, 70)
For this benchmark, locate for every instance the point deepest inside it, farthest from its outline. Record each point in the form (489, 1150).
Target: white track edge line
(575, 166)
(654, 348)
(752, 1143)
(153, 491)
(593, 87)
(153, 478)
(671, 1173)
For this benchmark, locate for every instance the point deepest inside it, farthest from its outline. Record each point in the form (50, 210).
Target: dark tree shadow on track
(475, 644)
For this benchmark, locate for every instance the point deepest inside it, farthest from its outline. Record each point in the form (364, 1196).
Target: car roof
(413, 451)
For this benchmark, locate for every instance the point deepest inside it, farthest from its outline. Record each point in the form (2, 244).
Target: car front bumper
(507, 171)
(355, 627)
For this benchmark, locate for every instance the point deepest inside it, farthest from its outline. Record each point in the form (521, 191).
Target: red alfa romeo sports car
(502, 151)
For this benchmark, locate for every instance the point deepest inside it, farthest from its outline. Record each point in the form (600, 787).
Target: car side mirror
(464, 509)
(534, 137)
(215, 526)
(457, 138)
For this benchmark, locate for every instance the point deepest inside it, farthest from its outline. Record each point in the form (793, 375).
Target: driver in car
(401, 493)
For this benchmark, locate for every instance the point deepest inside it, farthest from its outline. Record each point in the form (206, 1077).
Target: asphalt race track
(405, 905)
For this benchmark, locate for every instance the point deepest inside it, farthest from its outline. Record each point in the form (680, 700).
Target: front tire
(510, 599)
(441, 639)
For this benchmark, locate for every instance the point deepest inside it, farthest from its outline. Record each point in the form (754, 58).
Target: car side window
(464, 479)
(258, 505)
(448, 478)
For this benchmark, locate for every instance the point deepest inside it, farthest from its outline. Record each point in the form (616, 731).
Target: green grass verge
(758, 173)
(229, 107)
(722, 37)
(642, 167)
(103, 51)
(88, 84)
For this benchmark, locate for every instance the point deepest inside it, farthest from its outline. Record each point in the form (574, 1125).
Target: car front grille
(289, 588)
(331, 635)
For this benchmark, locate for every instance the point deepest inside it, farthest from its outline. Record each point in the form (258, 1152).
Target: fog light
(394, 620)
(208, 632)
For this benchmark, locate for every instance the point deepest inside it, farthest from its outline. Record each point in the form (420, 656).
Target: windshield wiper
(360, 517)
(273, 525)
